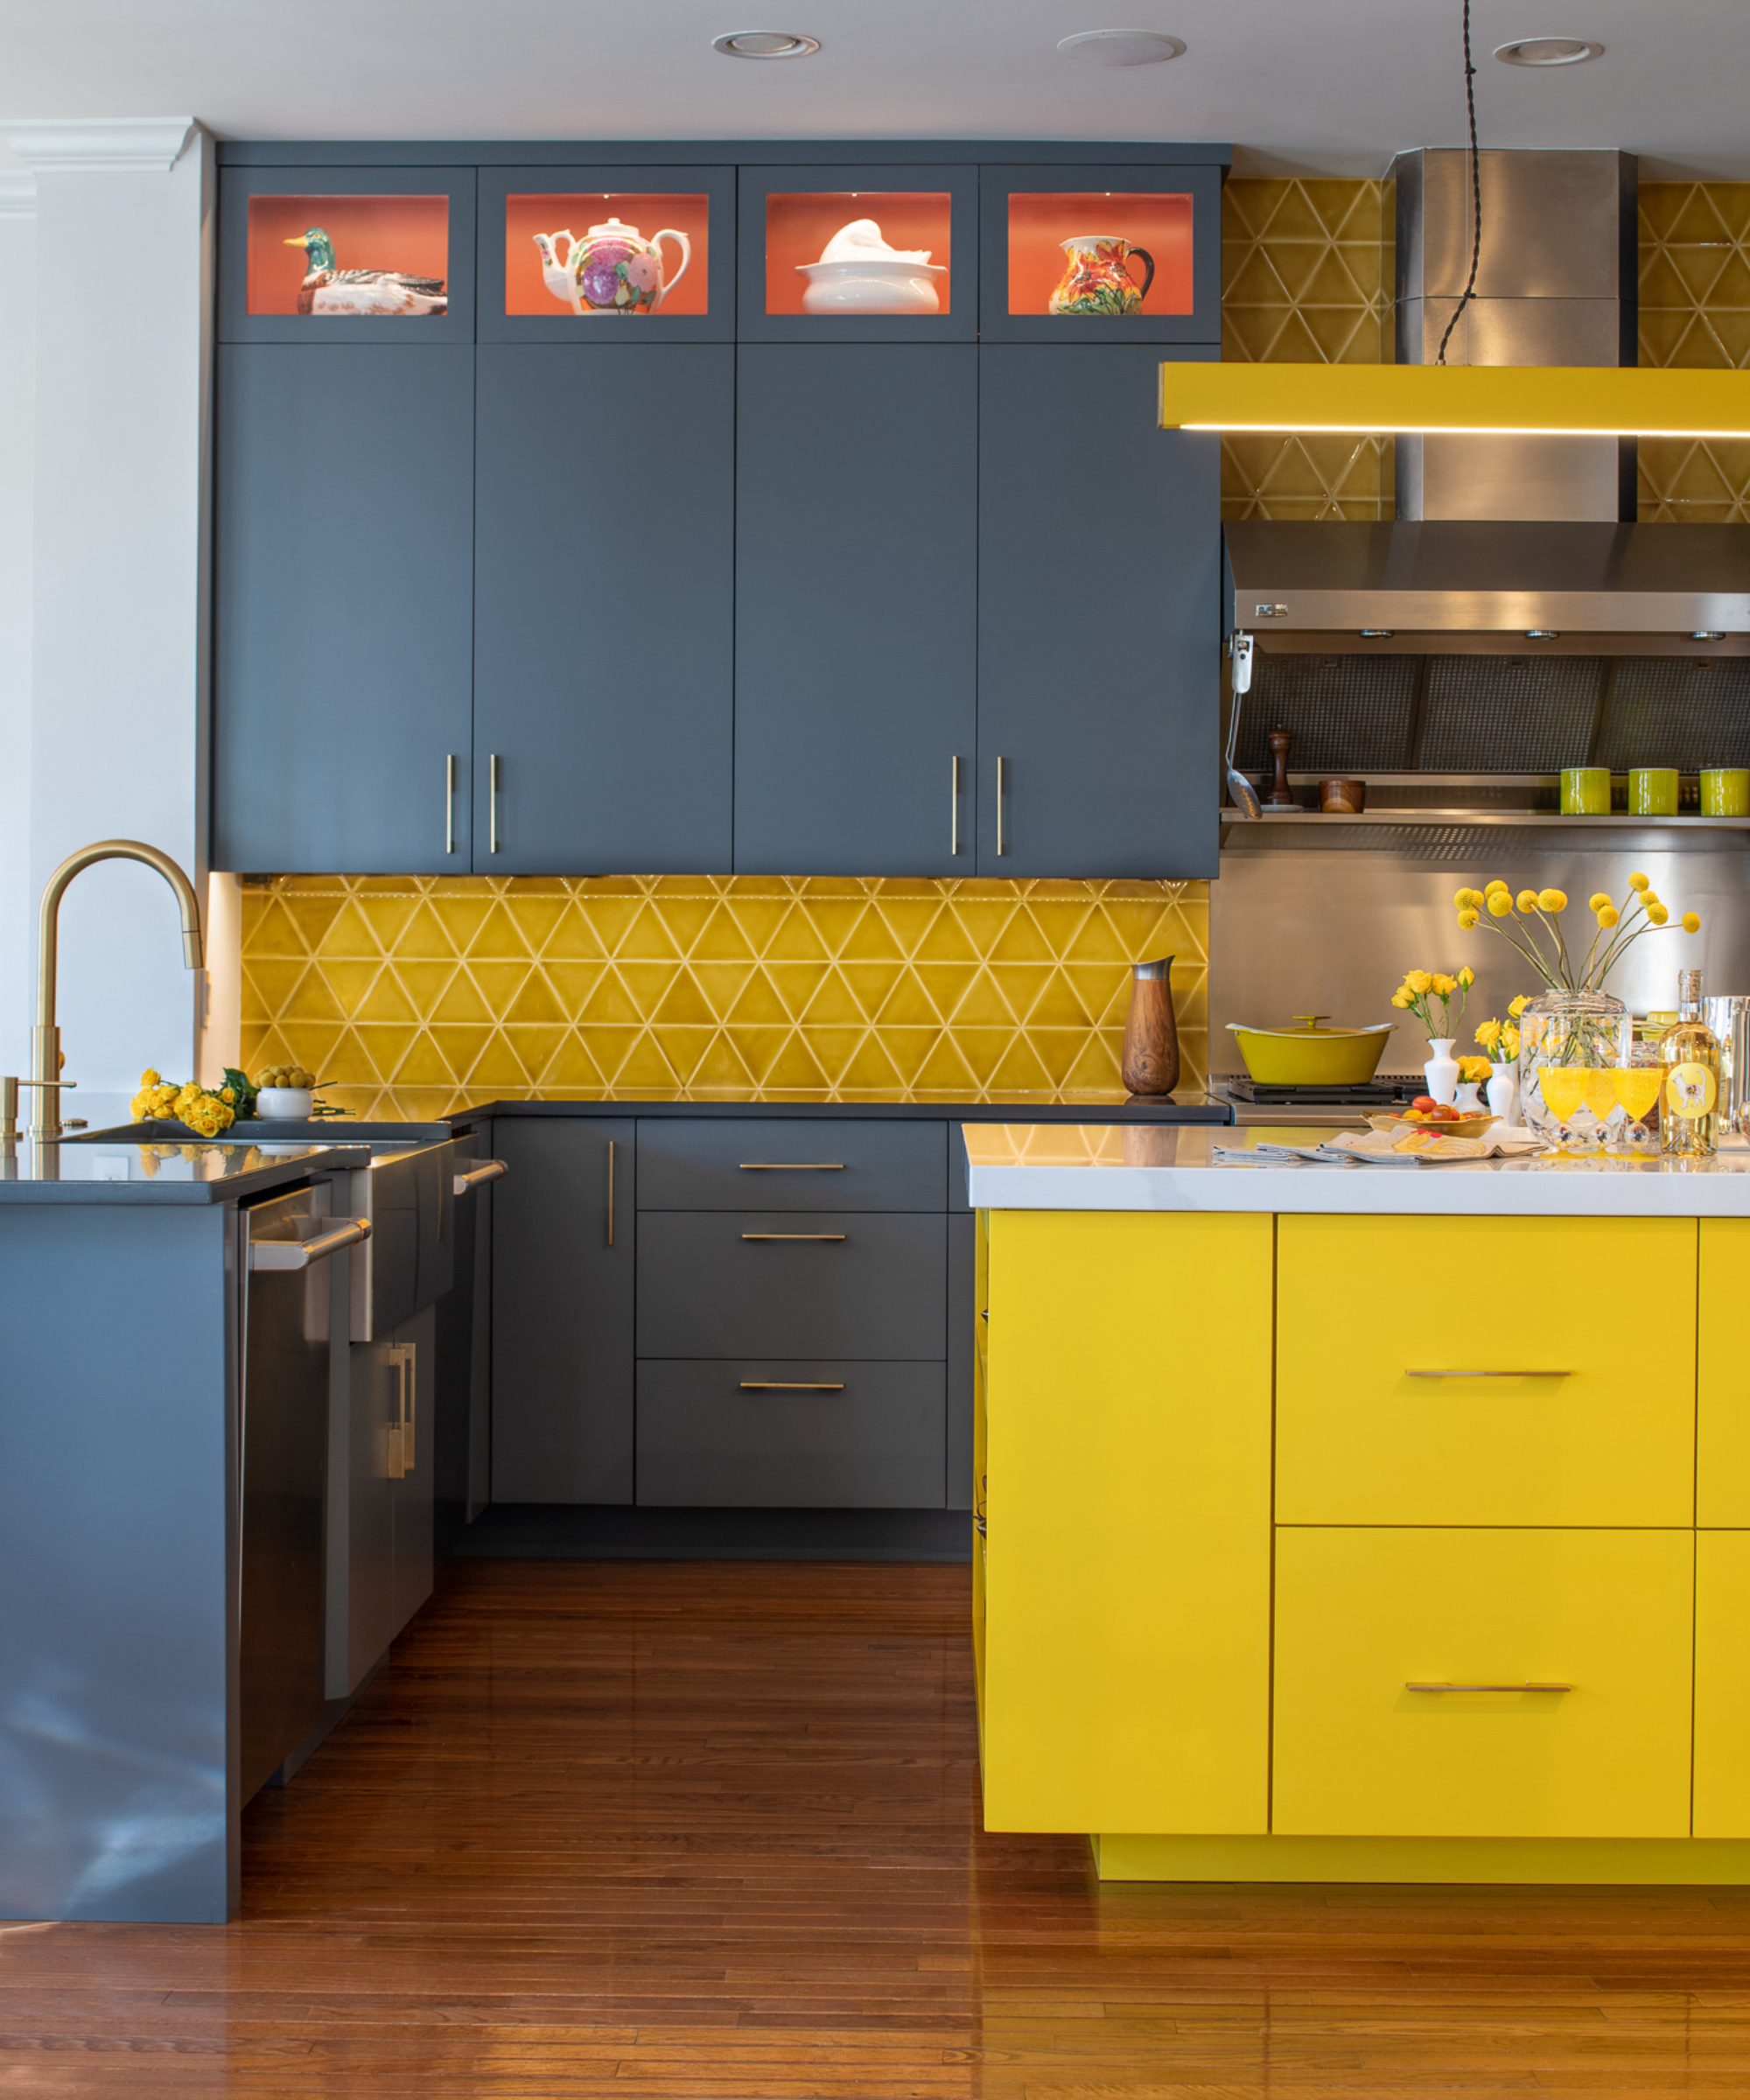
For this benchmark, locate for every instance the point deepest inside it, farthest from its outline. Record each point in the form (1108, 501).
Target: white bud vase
(1441, 1071)
(1503, 1091)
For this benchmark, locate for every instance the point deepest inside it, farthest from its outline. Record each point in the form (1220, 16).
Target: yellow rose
(1474, 1067)
(1509, 1041)
(1467, 976)
(1657, 914)
(148, 1078)
(1691, 923)
(1607, 916)
(1553, 901)
(1489, 1033)
(1417, 980)
(1400, 999)
(1444, 986)
(1639, 882)
(1468, 918)
(1500, 903)
(1519, 1006)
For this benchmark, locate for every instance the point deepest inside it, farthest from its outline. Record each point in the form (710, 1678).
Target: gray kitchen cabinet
(343, 519)
(562, 1309)
(1099, 566)
(604, 625)
(784, 1162)
(856, 634)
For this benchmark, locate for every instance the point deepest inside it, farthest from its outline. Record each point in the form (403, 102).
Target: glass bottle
(1689, 1112)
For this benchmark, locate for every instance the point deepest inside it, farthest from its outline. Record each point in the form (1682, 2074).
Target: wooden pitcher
(1151, 1031)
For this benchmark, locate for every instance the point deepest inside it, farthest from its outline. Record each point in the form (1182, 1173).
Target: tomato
(1425, 1102)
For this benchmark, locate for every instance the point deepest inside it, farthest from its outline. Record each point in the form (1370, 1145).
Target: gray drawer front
(760, 1163)
(876, 1445)
(880, 1291)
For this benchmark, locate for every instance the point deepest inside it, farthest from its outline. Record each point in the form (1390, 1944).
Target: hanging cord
(1476, 192)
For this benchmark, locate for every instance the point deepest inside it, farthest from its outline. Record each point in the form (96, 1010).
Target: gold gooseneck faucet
(45, 1042)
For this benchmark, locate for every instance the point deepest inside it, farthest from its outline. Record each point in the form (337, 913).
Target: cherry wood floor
(712, 1830)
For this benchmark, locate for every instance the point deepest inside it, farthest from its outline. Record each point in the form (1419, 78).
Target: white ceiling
(1300, 85)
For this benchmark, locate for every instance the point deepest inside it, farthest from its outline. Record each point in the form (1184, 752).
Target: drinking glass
(1636, 1088)
(1581, 1098)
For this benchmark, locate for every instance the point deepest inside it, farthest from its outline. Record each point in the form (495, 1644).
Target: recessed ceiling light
(1548, 51)
(1122, 47)
(765, 44)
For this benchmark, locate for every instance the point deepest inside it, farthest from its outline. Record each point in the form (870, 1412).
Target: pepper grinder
(1280, 796)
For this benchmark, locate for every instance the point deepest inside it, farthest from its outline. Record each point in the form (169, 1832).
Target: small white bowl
(872, 284)
(285, 1105)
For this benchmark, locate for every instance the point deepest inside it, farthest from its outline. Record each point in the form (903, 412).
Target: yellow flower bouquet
(1532, 922)
(193, 1105)
(1421, 988)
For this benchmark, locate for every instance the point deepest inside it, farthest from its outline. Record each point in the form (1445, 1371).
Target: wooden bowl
(1342, 798)
(1395, 1120)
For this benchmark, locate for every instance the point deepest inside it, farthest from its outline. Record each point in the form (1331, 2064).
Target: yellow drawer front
(1722, 1375)
(1722, 1691)
(1362, 1616)
(1367, 1308)
(1126, 1580)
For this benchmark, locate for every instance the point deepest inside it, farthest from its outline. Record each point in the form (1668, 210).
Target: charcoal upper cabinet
(856, 638)
(1099, 556)
(603, 615)
(344, 521)
(562, 1322)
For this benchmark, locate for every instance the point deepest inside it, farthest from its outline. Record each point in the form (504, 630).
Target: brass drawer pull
(450, 802)
(792, 1166)
(954, 808)
(792, 1236)
(1525, 1685)
(1488, 1373)
(781, 1385)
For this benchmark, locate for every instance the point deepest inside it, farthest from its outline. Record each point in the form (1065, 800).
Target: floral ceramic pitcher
(614, 269)
(1095, 280)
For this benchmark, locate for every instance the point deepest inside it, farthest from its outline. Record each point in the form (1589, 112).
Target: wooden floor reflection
(712, 1831)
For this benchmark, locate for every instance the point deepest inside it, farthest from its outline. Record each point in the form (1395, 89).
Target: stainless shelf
(1519, 817)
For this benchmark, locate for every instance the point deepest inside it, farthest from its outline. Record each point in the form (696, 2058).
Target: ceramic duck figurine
(325, 289)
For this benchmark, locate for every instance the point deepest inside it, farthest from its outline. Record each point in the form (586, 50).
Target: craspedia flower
(1657, 914)
(1500, 903)
(1526, 901)
(1598, 901)
(1691, 923)
(1639, 882)
(1468, 918)
(1553, 901)
(1607, 916)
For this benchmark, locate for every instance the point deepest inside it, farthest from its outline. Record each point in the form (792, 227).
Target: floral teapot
(614, 269)
(1095, 280)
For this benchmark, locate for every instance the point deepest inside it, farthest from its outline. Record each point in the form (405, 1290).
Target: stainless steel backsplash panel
(1302, 923)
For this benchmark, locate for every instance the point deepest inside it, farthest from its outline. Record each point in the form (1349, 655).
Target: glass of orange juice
(1582, 1098)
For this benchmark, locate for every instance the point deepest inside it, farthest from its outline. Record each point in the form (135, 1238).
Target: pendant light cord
(1476, 192)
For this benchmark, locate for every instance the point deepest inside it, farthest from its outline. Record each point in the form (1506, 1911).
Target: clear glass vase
(1587, 1037)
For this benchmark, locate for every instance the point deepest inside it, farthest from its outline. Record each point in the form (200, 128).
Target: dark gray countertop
(1089, 1106)
(183, 1171)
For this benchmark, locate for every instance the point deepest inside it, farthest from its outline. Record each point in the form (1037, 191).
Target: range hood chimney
(1556, 285)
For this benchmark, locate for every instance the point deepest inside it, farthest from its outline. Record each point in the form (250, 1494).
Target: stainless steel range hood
(1501, 582)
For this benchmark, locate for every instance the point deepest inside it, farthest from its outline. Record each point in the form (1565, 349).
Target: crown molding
(17, 195)
(110, 145)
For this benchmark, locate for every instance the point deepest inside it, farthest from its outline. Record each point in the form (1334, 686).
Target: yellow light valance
(1606, 401)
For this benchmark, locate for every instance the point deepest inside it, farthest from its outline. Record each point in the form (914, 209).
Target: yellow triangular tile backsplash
(416, 995)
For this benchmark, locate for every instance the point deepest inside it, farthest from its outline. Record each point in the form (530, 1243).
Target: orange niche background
(525, 289)
(800, 223)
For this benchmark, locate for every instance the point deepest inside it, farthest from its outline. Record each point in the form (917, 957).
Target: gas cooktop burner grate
(1386, 1092)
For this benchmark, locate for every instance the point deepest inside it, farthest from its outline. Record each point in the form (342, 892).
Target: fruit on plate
(1423, 1110)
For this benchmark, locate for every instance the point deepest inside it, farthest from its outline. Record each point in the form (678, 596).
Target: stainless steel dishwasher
(291, 1325)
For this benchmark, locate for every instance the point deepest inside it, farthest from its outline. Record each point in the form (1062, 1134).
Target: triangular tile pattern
(1695, 311)
(1303, 265)
(415, 994)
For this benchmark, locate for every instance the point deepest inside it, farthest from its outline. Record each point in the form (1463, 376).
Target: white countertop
(1112, 1166)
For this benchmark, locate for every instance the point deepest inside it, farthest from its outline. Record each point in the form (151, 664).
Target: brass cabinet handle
(492, 802)
(1525, 1685)
(1488, 1373)
(792, 1236)
(954, 807)
(792, 1166)
(610, 1191)
(450, 802)
(488, 1170)
(1002, 789)
(779, 1385)
(401, 1356)
(299, 1254)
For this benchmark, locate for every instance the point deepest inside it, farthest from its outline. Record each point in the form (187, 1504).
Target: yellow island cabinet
(1362, 1522)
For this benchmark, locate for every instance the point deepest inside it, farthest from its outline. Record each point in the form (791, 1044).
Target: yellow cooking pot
(1311, 1055)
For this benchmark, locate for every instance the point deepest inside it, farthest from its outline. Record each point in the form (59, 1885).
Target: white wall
(119, 566)
(17, 436)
